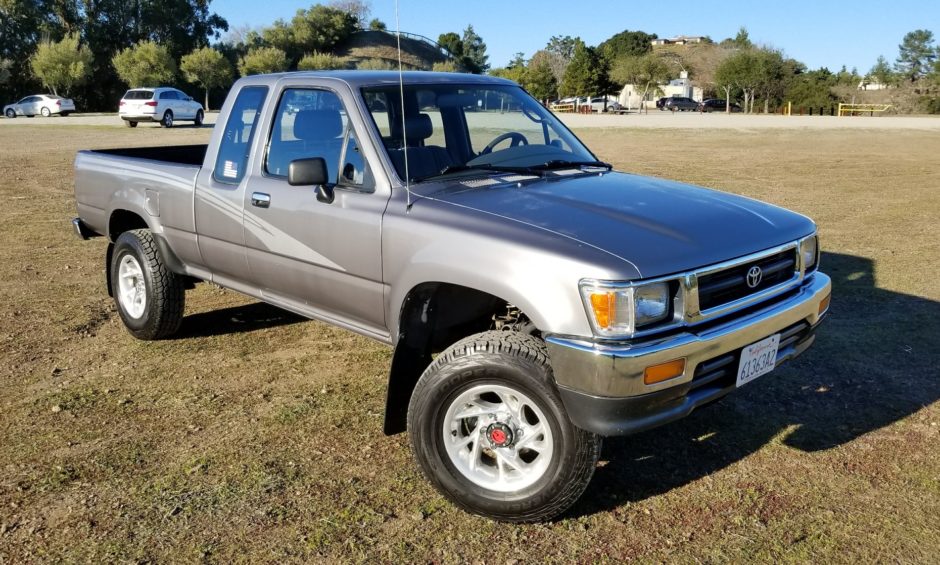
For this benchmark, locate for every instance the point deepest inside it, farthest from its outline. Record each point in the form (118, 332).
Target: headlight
(618, 311)
(809, 248)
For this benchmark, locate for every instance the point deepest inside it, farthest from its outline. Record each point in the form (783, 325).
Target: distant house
(632, 95)
(679, 40)
(869, 83)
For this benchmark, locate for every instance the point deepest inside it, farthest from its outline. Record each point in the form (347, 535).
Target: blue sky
(818, 33)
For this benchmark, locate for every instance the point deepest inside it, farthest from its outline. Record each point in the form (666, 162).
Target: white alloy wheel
(132, 289)
(498, 438)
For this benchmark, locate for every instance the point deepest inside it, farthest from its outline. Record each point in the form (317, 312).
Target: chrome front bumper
(616, 370)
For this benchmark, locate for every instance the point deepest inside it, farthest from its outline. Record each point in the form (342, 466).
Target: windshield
(451, 129)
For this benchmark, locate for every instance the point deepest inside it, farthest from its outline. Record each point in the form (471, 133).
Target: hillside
(382, 48)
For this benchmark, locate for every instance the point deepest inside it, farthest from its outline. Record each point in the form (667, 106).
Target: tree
(321, 28)
(474, 51)
(5, 66)
(208, 68)
(644, 71)
(318, 61)
(452, 42)
(145, 64)
(540, 80)
(626, 43)
(916, 54)
(445, 67)
(881, 72)
(263, 60)
(358, 9)
(377, 25)
(61, 65)
(562, 46)
(588, 74)
(739, 72)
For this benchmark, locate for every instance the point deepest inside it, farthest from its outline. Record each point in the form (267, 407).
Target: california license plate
(758, 359)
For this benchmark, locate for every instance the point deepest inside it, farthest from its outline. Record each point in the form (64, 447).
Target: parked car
(42, 104)
(716, 105)
(598, 104)
(532, 307)
(679, 104)
(164, 105)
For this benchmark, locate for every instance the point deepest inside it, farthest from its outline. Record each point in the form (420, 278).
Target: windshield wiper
(450, 169)
(556, 164)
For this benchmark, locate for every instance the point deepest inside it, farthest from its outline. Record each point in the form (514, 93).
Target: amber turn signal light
(664, 371)
(824, 304)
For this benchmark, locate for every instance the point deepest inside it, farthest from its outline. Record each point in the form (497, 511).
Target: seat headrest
(418, 128)
(318, 124)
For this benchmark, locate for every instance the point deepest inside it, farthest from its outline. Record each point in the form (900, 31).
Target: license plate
(758, 359)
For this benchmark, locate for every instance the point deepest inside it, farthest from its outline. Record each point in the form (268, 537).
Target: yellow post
(789, 108)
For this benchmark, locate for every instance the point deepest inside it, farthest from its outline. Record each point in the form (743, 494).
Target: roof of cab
(356, 79)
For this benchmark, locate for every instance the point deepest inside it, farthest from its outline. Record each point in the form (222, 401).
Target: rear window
(138, 95)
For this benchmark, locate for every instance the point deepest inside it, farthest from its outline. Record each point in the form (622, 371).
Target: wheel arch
(433, 316)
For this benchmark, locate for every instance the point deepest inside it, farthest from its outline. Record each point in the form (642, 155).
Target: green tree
(318, 61)
(562, 46)
(377, 25)
(145, 64)
(812, 89)
(588, 74)
(916, 54)
(643, 72)
(445, 67)
(739, 73)
(322, 28)
(62, 65)
(452, 42)
(263, 60)
(540, 80)
(474, 51)
(5, 66)
(358, 9)
(208, 68)
(881, 72)
(626, 43)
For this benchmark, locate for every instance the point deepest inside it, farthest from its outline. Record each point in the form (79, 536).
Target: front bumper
(602, 384)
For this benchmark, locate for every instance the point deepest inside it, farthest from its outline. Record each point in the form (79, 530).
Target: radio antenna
(401, 93)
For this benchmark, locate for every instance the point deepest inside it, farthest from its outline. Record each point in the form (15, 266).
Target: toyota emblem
(754, 276)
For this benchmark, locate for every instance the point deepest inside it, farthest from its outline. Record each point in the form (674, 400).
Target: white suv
(162, 105)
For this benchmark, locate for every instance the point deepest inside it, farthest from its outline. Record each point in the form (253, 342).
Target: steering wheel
(516, 137)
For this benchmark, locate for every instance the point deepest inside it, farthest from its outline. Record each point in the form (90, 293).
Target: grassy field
(256, 436)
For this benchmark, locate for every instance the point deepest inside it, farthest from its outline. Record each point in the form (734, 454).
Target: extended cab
(536, 300)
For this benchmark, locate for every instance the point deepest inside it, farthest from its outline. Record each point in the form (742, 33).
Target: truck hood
(660, 227)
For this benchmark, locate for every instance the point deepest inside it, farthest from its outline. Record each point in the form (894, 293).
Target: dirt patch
(257, 436)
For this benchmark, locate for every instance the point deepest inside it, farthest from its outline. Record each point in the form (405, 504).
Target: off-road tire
(165, 289)
(520, 362)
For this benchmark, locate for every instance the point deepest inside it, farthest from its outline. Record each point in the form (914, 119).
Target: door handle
(260, 199)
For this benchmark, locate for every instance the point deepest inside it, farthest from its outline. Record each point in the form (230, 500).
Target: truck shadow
(874, 362)
(237, 319)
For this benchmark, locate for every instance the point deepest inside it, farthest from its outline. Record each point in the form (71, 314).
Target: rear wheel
(491, 434)
(200, 116)
(45, 112)
(130, 124)
(167, 120)
(149, 297)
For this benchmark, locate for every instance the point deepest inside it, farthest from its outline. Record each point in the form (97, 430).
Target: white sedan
(44, 104)
(164, 105)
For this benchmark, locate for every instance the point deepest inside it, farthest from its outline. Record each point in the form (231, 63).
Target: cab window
(240, 128)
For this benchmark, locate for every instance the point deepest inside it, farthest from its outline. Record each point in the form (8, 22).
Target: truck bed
(159, 180)
(180, 154)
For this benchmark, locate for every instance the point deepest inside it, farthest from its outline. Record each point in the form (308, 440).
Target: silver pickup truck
(536, 300)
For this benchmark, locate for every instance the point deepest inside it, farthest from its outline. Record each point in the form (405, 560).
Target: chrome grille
(721, 287)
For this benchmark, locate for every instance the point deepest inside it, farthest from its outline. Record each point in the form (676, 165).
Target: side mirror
(311, 172)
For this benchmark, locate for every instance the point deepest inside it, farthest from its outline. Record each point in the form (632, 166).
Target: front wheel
(11, 113)
(149, 297)
(491, 434)
(200, 117)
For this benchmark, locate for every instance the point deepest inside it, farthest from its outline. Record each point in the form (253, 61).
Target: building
(679, 40)
(632, 95)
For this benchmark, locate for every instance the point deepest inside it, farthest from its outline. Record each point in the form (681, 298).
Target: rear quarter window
(239, 131)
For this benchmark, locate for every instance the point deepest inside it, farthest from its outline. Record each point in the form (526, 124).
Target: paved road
(653, 120)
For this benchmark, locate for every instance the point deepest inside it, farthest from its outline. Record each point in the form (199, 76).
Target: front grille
(722, 287)
(721, 371)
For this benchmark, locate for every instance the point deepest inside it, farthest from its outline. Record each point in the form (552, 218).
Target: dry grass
(256, 437)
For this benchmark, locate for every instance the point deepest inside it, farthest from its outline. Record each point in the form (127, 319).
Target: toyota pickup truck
(536, 300)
